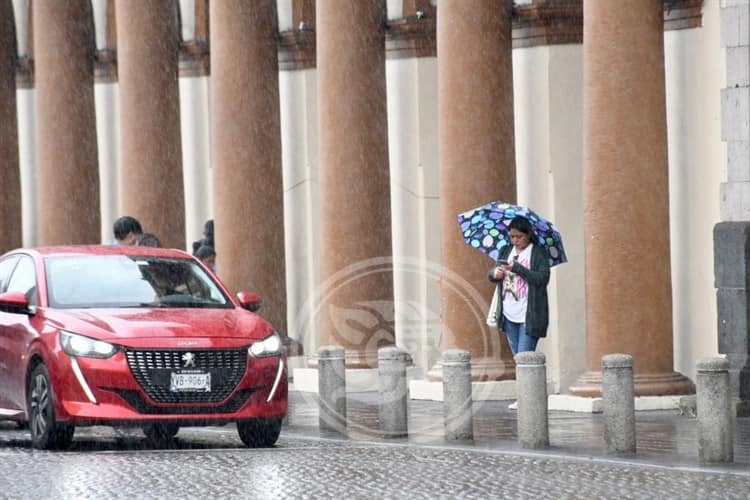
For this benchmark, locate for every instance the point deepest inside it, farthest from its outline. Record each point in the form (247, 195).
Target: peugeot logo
(189, 359)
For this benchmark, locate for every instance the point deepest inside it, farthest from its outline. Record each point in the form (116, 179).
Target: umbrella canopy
(486, 229)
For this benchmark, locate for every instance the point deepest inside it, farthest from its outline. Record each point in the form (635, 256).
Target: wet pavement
(305, 463)
(662, 437)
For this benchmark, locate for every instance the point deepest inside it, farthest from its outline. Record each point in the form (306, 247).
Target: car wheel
(160, 434)
(259, 433)
(46, 432)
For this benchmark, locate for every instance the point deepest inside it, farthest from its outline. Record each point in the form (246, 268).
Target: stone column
(10, 195)
(151, 151)
(626, 197)
(477, 165)
(356, 307)
(458, 408)
(533, 421)
(715, 414)
(331, 389)
(67, 157)
(619, 403)
(246, 152)
(393, 391)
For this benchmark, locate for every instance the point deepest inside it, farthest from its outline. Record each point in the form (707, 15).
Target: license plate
(195, 382)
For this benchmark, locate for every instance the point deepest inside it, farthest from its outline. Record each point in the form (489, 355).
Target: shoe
(513, 405)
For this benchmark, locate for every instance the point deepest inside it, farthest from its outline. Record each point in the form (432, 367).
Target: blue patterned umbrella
(486, 229)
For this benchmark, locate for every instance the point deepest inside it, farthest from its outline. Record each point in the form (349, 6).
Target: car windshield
(98, 281)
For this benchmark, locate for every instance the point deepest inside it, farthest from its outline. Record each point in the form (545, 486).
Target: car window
(23, 279)
(6, 267)
(90, 281)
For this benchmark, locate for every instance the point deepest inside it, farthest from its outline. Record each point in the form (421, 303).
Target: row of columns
(246, 143)
(626, 208)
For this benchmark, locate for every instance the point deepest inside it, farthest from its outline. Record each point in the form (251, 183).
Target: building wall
(284, 14)
(548, 87)
(412, 140)
(196, 156)
(25, 99)
(694, 64)
(107, 103)
(299, 154)
(735, 116)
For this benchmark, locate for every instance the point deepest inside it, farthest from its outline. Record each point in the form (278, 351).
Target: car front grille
(137, 401)
(152, 369)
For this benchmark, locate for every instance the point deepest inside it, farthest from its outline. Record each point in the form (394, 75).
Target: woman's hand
(508, 268)
(498, 273)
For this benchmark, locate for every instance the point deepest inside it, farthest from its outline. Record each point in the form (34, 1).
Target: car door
(16, 333)
(6, 268)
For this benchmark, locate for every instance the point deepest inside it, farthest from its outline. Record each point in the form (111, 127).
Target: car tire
(259, 433)
(47, 433)
(160, 434)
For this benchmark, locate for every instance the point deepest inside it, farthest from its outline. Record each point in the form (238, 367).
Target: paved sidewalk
(212, 462)
(663, 438)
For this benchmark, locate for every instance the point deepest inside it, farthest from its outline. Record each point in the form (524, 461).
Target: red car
(109, 335)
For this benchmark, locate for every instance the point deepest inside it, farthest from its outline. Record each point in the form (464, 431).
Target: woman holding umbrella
(522, 273)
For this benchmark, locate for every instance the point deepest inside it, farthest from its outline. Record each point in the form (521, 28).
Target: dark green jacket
(537, 313)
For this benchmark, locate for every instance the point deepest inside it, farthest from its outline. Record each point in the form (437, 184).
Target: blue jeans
(517, 338)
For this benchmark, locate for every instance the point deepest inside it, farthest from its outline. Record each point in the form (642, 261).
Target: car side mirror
(250, 301)
(14, 302)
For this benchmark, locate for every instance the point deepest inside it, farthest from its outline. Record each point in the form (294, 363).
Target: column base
(645, 384)
(482, 369)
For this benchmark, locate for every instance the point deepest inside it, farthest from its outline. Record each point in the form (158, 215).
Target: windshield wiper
(141, 304)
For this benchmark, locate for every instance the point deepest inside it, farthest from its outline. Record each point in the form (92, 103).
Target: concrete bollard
(619, 403)
(392, 363)
(531, 382)
(715, 422)
(457, 404)
(331, 389)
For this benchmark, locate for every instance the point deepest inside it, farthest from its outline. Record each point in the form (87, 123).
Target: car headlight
(270, 346)
(78, 345)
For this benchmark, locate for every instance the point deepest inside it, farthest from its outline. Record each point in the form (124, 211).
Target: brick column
(10, 195)
(626, 197)
(246, 152)
(67, 157)
(732, 236)
(477, 165)
(356, 311)
(150, 147)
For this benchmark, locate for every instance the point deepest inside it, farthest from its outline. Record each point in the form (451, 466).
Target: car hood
(163, 323)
